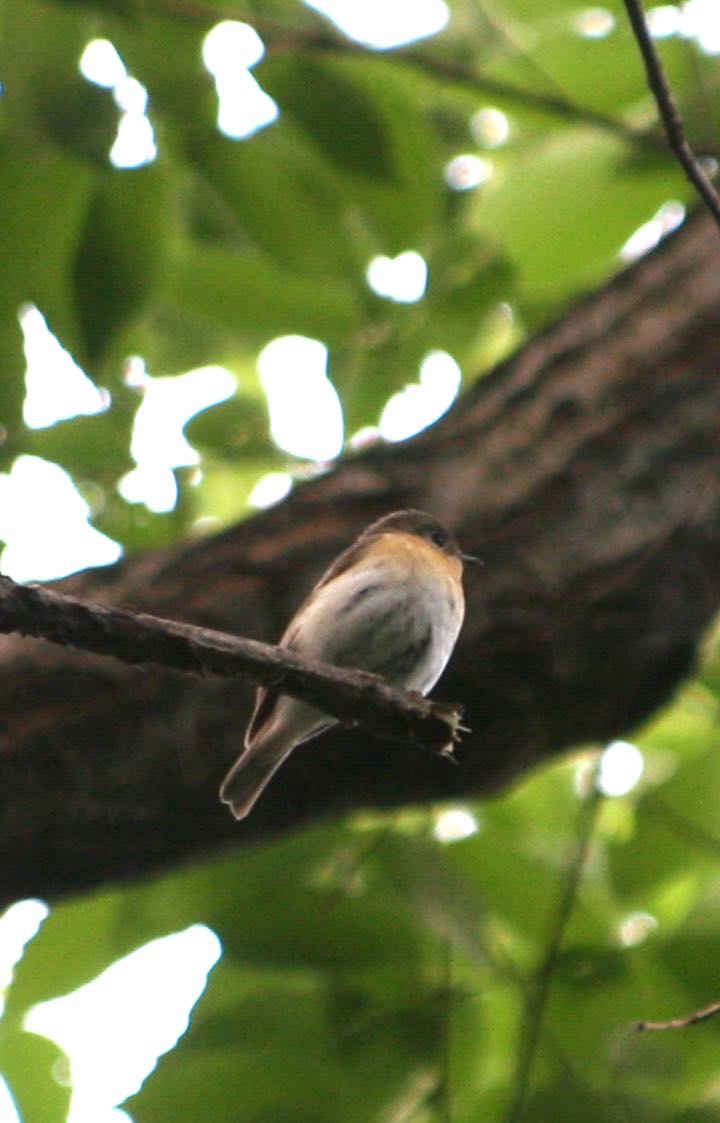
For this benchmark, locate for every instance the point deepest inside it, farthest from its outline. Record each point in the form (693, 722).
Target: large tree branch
(586, 473)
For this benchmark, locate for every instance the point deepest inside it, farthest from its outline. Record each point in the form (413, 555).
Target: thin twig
(538, 997)
(350, 696)
(682, 1023)
(668, 109)
(555, 104)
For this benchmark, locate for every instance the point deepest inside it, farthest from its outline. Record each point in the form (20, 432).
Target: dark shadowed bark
(585, 472)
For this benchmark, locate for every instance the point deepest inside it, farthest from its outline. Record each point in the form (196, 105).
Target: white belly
(399, 621)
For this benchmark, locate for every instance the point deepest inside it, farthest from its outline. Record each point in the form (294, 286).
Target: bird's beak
(469, 559)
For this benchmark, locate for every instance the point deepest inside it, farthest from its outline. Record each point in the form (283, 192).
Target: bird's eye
(439, 537)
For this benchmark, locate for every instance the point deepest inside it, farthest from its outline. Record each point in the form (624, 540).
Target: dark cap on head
(421, 524)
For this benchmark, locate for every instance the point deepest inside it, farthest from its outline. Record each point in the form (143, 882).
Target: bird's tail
(251, 773)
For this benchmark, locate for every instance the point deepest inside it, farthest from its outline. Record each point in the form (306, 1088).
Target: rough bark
(584, 471)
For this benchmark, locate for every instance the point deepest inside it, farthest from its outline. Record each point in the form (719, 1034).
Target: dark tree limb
(668, 109)
(353, 697)
(585, 471)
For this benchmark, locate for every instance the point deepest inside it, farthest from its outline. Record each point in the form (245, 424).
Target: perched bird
(391, 604)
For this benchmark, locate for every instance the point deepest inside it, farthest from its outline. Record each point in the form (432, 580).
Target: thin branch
(354, 697)
(537, 1000)
(682, 1023)
(555, 104)
(668, 109)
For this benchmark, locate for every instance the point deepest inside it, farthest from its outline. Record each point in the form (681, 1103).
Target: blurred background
(239, 241)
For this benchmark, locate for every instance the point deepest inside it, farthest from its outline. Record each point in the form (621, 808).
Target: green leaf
(95, 448)
(393, 194)
(38, 237)
(556, 257)
(267, 182)
(29, 1064)
(253, 300)
(164, 53)
(228, 479)
(286, 1045)
(458, 303)
(253, 1052)
(114, 274)
(234, 430)
(600, 72)
(41, 80)
(61, 957)
(138, 528)
(78, 117)
(335, 111)
(366, 378)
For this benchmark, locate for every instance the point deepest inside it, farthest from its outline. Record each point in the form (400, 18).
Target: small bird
(391, 604)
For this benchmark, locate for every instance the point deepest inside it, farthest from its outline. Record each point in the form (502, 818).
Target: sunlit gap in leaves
(306, 416)
(646, 237)
(8, 1111)
(115, 1028)
(385, 23)
(158, 443)
(229, 50)
(593, 23)
(270, 489)
(455, 824)
(489, 128)
(18, 924)
(134, 144)
(55, 386)
(422, 402)
(619, 769)
(695, 19)
(44, 522)
(402, 278)
(635, 928)
(465, 172)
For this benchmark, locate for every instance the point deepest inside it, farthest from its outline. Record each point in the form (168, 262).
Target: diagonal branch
(353, 697)
(668, 109)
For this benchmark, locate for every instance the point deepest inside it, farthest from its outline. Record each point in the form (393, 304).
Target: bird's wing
(266, 700)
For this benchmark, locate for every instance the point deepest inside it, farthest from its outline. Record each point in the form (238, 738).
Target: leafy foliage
(369, 972)
(217, 246)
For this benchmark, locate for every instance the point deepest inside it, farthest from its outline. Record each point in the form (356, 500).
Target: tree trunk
(585, 472)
